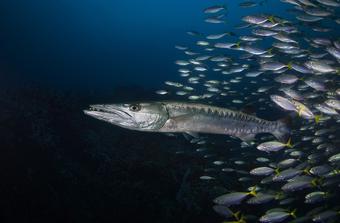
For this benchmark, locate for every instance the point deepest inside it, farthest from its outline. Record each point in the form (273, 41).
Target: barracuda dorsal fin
(249, 109)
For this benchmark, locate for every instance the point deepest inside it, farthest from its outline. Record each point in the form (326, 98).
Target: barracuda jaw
(134, 116)
(110, 113)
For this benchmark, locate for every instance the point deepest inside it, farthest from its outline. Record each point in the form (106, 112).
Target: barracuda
(187, 118)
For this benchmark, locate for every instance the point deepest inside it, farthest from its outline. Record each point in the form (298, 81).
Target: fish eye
(135, 107)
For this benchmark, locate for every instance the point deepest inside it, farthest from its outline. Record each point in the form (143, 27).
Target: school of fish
(272, 62)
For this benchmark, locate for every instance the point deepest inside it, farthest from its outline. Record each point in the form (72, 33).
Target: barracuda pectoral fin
(192, 134)
(169, 134)
(247, 137)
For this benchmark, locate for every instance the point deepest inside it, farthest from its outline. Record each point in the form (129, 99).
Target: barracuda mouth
(109, 113)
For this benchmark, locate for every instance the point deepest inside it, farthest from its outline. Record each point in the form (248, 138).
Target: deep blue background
(100, 44)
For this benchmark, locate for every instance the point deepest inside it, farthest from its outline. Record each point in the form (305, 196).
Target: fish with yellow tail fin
(304, 112)
(234, 198)
(277, 216)
(238, 218)
(274, 146)
(242, 220)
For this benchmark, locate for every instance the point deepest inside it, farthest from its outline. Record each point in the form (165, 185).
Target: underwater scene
(173, 111)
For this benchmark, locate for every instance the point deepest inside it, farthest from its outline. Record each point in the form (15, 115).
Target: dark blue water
(90, 45)
(93, 44)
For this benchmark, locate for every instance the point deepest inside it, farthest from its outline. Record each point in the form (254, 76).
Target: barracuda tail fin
(282, 132)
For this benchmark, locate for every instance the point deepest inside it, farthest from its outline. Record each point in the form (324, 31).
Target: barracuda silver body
(187, 117)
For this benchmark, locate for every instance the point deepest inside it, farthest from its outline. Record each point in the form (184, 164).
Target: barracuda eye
(135, 107)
